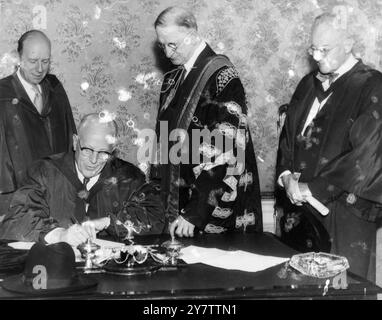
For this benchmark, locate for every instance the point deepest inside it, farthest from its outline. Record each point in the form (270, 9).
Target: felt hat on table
(49, 269)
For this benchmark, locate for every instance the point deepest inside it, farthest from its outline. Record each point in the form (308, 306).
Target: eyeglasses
(88, 152)
(323, 51)
(172, 45)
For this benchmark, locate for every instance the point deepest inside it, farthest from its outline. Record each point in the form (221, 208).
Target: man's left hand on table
(182, 228)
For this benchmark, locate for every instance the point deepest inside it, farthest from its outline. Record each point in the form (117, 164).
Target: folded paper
(230, 260)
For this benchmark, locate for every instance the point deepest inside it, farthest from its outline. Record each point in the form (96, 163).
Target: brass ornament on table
(173, 248)
(88, 251)
(131, 229)
(132, 258)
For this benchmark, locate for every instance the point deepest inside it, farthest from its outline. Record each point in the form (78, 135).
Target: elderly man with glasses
(204, 93)
(71, 197)
(331, 144)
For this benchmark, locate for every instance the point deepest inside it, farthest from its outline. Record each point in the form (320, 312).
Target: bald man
(35, 115)
(70, 197)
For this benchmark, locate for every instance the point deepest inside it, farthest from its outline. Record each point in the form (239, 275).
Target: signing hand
(74, 235)
(92, 227)
(182, 228)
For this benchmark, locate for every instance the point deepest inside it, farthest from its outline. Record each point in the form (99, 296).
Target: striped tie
(37, 99)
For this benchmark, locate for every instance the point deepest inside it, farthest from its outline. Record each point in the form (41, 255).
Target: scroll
(313, 201)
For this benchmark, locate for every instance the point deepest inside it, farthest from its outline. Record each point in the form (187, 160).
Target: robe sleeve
(69, 113)
(7, 176)
(28, 217)
(218, 174)
(143, 210)
(358, 170)
(286, 142)
(70, 123)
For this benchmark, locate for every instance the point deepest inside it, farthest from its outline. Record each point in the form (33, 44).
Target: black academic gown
(341, 159)
(210, 198)
(52, 196)
(26, 135)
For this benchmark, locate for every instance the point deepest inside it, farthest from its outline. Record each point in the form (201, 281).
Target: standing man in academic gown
(204, 92)
(332, 137)
(35, 115)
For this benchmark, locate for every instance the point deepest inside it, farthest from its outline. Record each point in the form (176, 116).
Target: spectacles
(323, 51)
(88, 152)
(172, 45)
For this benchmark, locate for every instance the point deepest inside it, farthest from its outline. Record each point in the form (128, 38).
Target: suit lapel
(67, 167)
(27, 103)
(184, 89)
(46, 96)
(302, 113)
(22, 94)
(337, 94)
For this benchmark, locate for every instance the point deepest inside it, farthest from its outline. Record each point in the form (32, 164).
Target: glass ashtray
(319, 264)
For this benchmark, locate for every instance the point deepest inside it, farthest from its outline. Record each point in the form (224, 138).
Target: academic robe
(205, 192)
(340, 158)
(52, 196)
(26, 135)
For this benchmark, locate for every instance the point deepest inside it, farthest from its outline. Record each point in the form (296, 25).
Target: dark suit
(26, 135)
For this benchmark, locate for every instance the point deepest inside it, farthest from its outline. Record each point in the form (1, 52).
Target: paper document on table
(230, 260)
(21, 245)
(105, 244)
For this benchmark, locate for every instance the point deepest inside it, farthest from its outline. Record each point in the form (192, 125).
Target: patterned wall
(104, 53)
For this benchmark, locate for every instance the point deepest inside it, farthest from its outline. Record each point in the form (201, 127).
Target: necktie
(173, 85)
(329, 76)
(37, 99)
(322, 94)
(85, 182)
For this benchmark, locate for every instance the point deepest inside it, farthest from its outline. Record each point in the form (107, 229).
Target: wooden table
(199, 281)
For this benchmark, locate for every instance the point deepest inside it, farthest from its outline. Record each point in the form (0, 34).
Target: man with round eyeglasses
(331, 144)
(203, 92)
(71, 197)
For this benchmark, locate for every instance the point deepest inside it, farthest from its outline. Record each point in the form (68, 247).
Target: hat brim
(16, 284)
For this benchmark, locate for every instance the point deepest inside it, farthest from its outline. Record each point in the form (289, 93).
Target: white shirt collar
(190, 63)
(92, 180)
(27, 86)
(346, 66)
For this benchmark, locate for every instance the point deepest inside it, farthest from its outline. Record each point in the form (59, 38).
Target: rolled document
(312, 200)
(317, 205)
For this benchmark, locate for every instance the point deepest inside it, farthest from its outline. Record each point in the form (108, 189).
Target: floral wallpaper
(104, 53)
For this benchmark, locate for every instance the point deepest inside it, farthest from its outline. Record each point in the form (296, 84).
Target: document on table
(230, 260)
(21, 245)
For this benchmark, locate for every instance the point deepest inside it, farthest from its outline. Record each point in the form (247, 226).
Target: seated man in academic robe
(70, 197)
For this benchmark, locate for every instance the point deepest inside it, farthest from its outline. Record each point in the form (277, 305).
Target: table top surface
(200, 281)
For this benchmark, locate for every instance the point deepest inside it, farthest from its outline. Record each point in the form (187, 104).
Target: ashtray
(319, 264)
